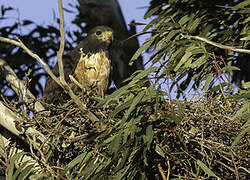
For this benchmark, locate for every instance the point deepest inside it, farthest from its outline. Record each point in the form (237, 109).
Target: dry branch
(63, 84)
(60, 81)
(231, 48)
(10, 121)
(61, 48)
(20, 44)
(18, 86)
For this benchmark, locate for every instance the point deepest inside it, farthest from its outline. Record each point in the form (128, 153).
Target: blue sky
(43, 12)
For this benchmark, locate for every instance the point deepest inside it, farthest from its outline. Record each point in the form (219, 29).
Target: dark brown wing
(53, 93)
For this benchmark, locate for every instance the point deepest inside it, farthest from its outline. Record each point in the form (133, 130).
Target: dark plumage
(92, 69)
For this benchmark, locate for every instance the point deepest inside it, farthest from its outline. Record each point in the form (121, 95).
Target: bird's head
(102, 34)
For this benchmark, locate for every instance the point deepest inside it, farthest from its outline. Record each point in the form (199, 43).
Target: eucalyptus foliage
(194, 63)
(139, 138)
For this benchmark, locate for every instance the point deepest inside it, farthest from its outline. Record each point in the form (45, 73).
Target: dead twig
(19, 87)
(161, 171)
(61, 48)
(231, 48)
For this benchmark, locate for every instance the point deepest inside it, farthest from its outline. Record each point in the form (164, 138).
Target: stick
(18, 86)
(232, 48)
(61, 48)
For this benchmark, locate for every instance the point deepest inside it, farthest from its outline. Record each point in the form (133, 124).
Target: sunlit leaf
(245, 129)
(183, 60)
(145, 45)
(13, 160)
(206, 169)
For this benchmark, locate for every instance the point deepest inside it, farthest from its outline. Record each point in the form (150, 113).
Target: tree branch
(13, 124)
(18, 86)
(8, 150)
(75, 81)
(61, 48)
(20, 44)
(62, 83)
(232, 48)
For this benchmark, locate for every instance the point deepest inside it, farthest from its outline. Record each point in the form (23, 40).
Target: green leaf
(245, 129)
(242, 4)
(245, 38)
(182, 61)
(120, 174)
(145, 45)
(19, 170)
(206, 169)
(124, 90)
(240, 96)
(121, 107)
(136, 100)
(115, 94)
(74, 162)
(193, 25)
(231, 68)
(14, 158)
(151, 12)
(184, 20)
(159, 151)
(181, 109)
(199, 62)
(110, 139)
(132, 155)
(89, 170)
(246, 20)
(144, 73)
(25, 173)
(208, 81)
(171, 34)
(241, 111)
(149, 136)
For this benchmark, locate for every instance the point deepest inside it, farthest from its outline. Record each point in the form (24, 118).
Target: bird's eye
(98, 33)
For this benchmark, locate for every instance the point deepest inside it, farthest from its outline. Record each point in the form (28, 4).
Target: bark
(18, 86)
(11, 131)
(7, 151)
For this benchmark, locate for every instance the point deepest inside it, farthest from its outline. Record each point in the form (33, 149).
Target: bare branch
(75, 81)
(61, 48)
(7, 120)
(18, 86)
(11, 122)
(65, 86)
(232, 48)
(39, 60)
(20, 44)
(62, 83)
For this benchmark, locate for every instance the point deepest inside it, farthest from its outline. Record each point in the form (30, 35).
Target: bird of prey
(89, 63)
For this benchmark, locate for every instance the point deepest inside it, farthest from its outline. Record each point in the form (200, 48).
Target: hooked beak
(108, 36)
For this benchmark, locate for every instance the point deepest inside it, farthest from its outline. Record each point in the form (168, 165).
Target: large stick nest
(204, 134)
